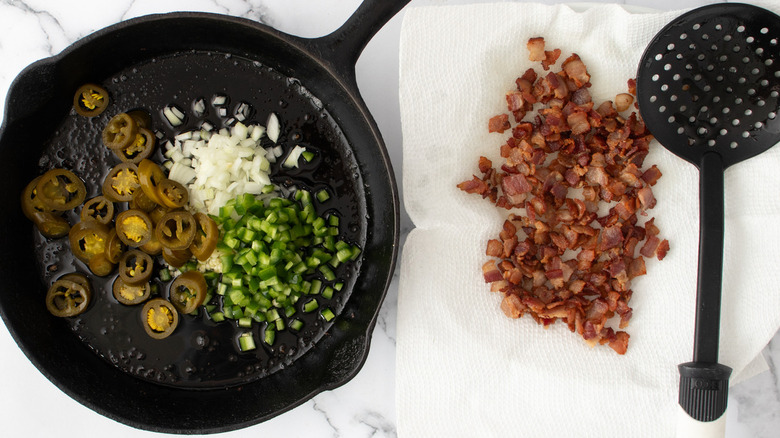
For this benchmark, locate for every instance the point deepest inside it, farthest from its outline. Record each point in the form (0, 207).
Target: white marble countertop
(365, 406)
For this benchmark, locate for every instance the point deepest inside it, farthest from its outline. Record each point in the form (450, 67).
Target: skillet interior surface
(104, 359)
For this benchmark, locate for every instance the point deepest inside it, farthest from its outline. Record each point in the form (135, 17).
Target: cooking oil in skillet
(202, 353)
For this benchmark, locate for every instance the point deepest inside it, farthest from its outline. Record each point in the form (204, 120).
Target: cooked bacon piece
(578, 122)
(662, 249)
(611, 237)
(575, 69)
(651, 175)
(494, 248)
(646, 198)
(558, 87)
(565, 259)
(536, 49)
(499, 286)
(650, 227)
(515, 185)
(620, 342)
(632, 86)
(512, 306)
(636, 268)
(515, 101)
(550, 58)
(650, 246)
(623, 101)
(499, 123)
(606, 110)
(581, 97)
(485, 164)
(474, 185)
(523, 131)
(509, 230)
(490, 272)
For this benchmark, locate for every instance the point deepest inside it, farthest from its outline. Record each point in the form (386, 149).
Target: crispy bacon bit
(623, 101)
(499, 123)
(578, 122)
(512, 306)
(632, 86)
(490, 272)
(611, 237)
(515, 185)
(515, 101)
(646, 198)
(494, 248)
(570, 143)
(651, 175)
(619, 343)
(662, 249)
(474, 185)
(536, 49)
(576, 71)
(550, 58)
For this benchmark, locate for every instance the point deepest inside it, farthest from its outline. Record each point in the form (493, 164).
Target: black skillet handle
(704, 383)
(342, 48)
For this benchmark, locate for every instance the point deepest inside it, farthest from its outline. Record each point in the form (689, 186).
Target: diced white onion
(181, 173)
(243, 109)
(179, 113)
(199, 107)
(272, 127)
(240, 131)
(269, 155)
(176, 155)
(293, 156)
(187, 147)
(219, 100)
(254, 188)
(257, 132)
(222, 166)
(171, 117)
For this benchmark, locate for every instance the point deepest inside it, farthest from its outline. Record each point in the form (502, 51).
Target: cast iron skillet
(175, 58)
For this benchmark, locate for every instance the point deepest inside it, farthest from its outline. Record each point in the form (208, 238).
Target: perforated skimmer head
(710, 80)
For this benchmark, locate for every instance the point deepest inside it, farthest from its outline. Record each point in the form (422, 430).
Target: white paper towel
(466, 370)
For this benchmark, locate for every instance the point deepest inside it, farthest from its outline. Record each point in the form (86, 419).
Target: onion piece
(257, 132)
(181, 173)
(293, 156)
(199, 107)
(273, 129)
(171, 116)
